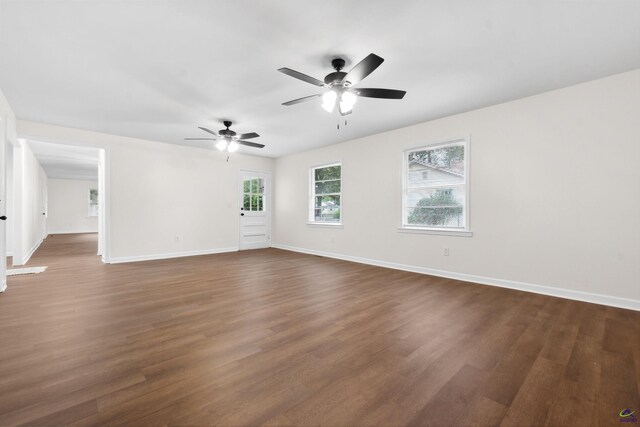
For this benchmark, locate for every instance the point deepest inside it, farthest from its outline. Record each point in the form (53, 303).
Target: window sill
(325, 224)
(436, 232)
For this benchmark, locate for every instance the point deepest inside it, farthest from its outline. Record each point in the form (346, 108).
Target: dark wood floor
(279, 338)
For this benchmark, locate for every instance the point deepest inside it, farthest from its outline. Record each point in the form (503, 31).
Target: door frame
(268, 201)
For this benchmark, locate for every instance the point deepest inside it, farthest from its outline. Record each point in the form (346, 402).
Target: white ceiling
(66, 161)
(157, 69)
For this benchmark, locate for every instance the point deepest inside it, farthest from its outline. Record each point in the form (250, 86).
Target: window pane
(93, 202)
(415, 195)
(328, 187)
(254, 185)
(246, 203)
(246, 185)
(450, 157)
(260, 203)
(331, 172)
(260, 186)
(442, 207)
(327, 208)
(327, 201)
(254, 202)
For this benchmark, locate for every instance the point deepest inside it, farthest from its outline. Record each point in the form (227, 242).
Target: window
(326, 192)
(93, 202)
(253, 194)
(435, 187)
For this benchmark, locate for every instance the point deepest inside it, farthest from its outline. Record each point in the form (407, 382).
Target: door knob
(242, 214)
(3, 217)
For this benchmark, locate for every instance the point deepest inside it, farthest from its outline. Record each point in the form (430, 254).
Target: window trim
(312, 194)
(89, 203)
(419, 229)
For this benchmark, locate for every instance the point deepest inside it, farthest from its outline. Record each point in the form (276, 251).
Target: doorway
(61, 187)
(255, 210)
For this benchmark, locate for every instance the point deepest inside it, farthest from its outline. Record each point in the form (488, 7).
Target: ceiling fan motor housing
(337, 76)
(227, 131)
(338, 64)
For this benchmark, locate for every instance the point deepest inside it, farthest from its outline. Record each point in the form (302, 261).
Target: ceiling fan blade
(200, 139)
(250, 144)
(299, 100)
(208, 130)
(298, 75)
(363, 68)
(381, 93)
(248, 135)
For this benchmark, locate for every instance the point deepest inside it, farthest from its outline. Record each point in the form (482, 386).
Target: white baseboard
(27, 257)
(74, 232)
(136, 258)
(9, 253)
(4, 285)
(627, 303)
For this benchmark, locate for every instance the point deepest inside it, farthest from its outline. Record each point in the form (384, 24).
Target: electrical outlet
(445, 251)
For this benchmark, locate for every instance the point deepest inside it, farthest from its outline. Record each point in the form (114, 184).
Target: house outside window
(326, 194)
(436, 187)
(93, 202)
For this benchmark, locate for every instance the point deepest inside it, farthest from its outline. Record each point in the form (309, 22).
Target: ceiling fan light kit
(228, 146)
(340, 85)
(347, 101)
(233, 146)
(329, 101)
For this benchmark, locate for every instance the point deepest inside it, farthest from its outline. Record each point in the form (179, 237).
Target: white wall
(30, 187)
(68, 206)
(554, 190)
(157, 192)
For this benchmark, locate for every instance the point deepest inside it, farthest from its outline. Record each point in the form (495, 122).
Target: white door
(3, 206)
(255, 209)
